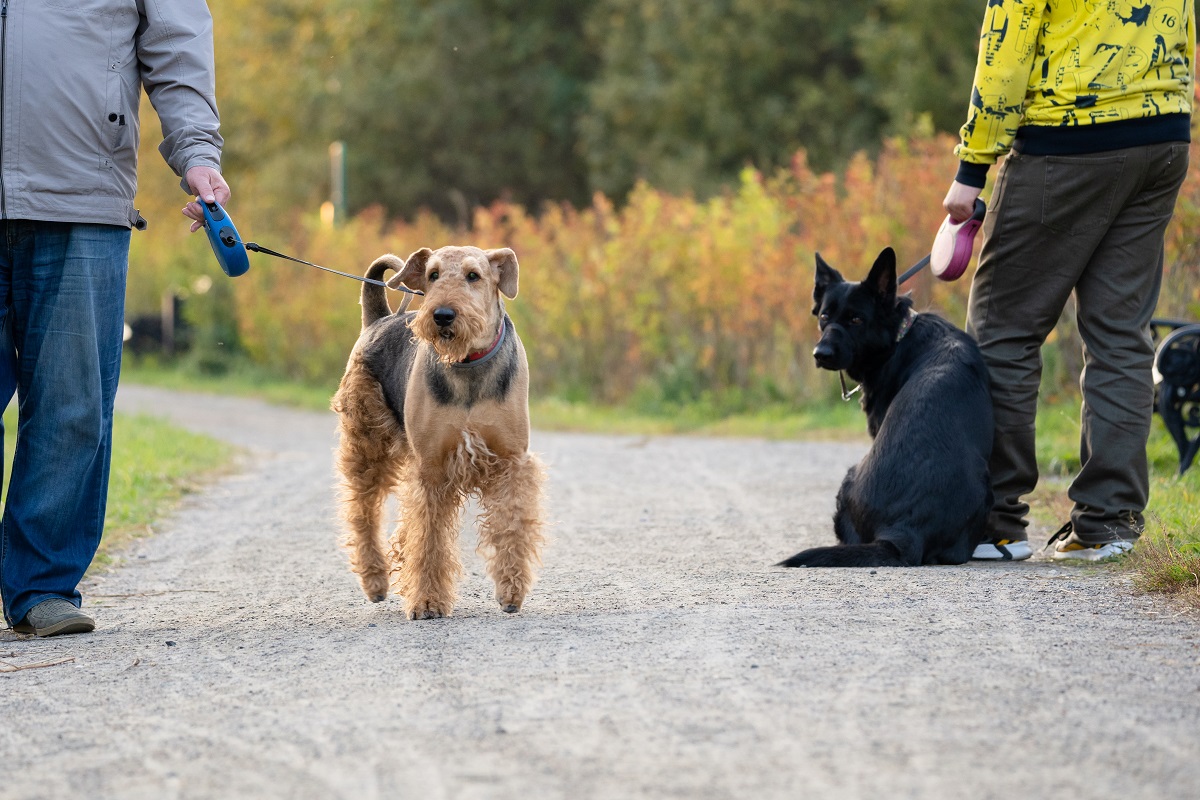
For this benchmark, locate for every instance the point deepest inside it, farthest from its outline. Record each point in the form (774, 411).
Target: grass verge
(154, 465)
(841, 421)
(1167, 557)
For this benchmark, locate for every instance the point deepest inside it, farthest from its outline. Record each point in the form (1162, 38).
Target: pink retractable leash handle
(952, 247)
(953, 244)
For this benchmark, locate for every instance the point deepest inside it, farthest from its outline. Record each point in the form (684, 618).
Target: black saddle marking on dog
(469, 384)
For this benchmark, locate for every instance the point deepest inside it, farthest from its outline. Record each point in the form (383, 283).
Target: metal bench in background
(1177, 384)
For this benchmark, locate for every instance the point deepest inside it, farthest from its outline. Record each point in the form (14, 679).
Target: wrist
(972, 174)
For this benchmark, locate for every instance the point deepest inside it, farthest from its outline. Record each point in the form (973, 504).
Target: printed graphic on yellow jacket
(1076, 62)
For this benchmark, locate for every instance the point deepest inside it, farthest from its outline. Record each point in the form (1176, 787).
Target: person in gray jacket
(71, 75)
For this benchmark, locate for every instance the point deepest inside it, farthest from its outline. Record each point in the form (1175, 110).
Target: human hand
(960, 201)
(207, 184)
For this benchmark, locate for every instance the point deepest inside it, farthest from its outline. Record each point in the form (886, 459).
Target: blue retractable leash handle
(226, 244)
(230, 250)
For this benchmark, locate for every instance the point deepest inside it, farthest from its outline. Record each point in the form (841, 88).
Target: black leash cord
(254, 247)
(908, 273)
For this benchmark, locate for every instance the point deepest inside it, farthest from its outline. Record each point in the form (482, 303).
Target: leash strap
(257, 248)
(913, 270)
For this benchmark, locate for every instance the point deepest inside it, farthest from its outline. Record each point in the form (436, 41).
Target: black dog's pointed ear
(826, 276)
(882, 277)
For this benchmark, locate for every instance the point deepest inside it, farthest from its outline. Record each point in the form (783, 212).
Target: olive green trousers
(1091, 226)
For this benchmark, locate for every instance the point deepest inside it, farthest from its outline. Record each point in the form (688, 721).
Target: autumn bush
(665, 300)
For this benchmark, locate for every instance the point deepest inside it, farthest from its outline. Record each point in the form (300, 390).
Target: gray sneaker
(54, 617)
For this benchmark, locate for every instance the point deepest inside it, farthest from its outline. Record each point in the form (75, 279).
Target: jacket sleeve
(175, 51)
(1007, 48)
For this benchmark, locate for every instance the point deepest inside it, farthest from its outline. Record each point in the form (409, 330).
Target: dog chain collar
(847, 395)
(483, 355)
(910, 317)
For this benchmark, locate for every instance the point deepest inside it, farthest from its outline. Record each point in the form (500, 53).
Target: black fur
(922, 493)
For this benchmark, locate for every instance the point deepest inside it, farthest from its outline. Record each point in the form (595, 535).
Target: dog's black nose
(823, 354)
(443, 316)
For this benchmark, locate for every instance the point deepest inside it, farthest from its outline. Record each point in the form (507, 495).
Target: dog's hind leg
(370, 454)
(427, 543)
(510, 535)
(843, 525)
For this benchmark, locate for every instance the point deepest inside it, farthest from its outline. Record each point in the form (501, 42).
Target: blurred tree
(278, 83)
(688, 93)
(467, 101)
(921, 55)
(449, 104)
(444, 105)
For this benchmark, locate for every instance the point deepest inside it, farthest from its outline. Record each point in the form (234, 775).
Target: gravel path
(660, 655)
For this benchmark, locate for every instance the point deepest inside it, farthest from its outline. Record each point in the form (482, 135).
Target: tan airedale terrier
(435, 404)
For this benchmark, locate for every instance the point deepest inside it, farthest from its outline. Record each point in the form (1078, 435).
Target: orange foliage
(708, 298)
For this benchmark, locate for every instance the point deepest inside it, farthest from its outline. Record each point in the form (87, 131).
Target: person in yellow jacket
(1090, 103)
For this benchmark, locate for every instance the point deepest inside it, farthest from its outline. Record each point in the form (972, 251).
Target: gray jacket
(72, 73)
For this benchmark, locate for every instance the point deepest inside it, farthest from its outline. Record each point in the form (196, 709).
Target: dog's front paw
(510, 599)
(428, 609)
(375, 587)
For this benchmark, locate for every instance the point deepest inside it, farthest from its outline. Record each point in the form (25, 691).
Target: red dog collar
(479, 355)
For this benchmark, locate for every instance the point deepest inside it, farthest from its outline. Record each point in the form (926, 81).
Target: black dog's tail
(373, 299)
(875, 554)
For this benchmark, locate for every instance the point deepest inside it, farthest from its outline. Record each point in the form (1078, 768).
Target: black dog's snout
(443, 316)
(823, 354)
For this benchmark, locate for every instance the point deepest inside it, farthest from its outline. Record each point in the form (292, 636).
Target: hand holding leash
(230, 250)
(952, 246)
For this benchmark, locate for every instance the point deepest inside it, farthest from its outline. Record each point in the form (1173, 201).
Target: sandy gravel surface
(660, 655)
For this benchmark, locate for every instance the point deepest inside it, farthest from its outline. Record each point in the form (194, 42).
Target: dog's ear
(882, 277)
(505, 261)
(826, 276)
(413, 274)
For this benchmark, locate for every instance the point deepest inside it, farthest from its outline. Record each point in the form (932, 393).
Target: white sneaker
(1002, 550)
(1070, 548)
(1092, 552)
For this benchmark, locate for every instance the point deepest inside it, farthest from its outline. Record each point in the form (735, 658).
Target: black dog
(921, 495)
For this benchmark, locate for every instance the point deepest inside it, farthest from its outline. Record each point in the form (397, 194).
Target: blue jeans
(62, 307)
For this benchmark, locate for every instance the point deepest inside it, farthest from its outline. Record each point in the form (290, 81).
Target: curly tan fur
(469, 438)
(468, 328)
(370, 460)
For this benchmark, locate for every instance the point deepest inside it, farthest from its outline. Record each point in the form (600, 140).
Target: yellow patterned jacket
(1078, 76)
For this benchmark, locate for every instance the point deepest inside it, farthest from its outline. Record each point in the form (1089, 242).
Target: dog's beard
(454, 342)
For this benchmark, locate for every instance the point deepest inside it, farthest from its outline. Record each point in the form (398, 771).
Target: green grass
(238, 381)
(154, 465)
(774, 422)
(1167, 557)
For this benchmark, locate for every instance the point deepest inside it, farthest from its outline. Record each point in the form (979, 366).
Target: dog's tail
(374, 300)
(875, 554)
